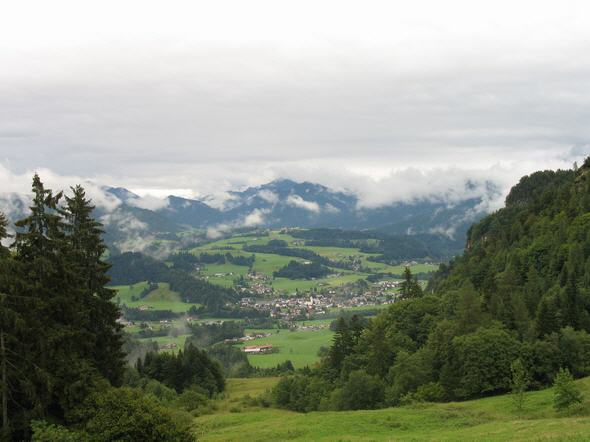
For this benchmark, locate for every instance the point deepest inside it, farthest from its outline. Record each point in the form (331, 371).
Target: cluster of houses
(318, 305)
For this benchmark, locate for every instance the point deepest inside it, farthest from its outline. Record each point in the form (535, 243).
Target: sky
(390, 100)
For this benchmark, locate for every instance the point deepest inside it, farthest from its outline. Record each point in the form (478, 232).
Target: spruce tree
(410, 287)
(84, 234)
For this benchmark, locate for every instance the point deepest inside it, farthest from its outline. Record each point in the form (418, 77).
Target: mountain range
(280, 203)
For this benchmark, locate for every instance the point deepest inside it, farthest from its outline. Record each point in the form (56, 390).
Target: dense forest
(63, 372)
(299, 270)
(392, 249)
(132, 267)
(519, 296)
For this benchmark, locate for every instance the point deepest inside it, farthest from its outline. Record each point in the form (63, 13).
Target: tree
(567, 393)
(469, 312)
(520, 383)
(84, 235)
(410, 287)
(125, 414)
(361, 391)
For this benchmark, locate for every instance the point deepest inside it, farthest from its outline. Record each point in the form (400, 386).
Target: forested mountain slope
(517, 300)
(531, 260)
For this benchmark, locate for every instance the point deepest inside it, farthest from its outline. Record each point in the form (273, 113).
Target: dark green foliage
(360, 391)
(61, 336)
(410, 288)
(132, 267)
(204, 335)
(60, 343)
(124, 414)
(45, 432)
(482, 362)
(183, 370)
(392, 249)
(520, 292)
(297, 270)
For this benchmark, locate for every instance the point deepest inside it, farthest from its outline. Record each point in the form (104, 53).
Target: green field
(490, 419)
(300, 347)
(160, 299)
(268, 263)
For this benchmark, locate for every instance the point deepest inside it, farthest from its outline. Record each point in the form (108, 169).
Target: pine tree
(410, 287)
(84, 235)
(548, 318)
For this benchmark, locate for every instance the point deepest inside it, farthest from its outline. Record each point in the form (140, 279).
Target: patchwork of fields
(265, 263)
(301, 347)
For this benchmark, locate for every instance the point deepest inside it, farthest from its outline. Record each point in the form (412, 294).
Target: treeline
(280, 247)
(392, 249)
(298, 270)
(204, 335)
(191, 367)
(132, 267)
(60, 343)
(520, 295)
(187, 261)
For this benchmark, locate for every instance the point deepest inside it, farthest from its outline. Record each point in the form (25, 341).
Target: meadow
(160, 299)
(300, 347)
(488, 419)
(225, 274)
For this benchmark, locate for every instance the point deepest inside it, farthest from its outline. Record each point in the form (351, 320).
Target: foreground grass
(489, 419)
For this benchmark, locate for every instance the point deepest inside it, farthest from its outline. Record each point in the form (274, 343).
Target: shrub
(126, 414)
(567, 393)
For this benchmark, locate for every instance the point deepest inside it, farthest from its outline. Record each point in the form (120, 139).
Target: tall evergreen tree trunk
(4, 386)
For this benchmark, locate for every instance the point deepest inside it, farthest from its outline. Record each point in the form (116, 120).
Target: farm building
(255, 349)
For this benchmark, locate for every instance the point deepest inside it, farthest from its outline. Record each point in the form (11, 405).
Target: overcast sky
(387, 99)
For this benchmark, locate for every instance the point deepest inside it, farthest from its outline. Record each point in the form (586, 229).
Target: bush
(567, 393)
(361, 392)
(126, 414)
(45, 432)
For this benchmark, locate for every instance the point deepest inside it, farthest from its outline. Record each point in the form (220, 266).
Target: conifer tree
(410, 288)
(84, 235)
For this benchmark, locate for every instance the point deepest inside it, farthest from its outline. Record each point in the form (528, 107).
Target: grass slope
(160, 299)
(489, 419)
(300, 347)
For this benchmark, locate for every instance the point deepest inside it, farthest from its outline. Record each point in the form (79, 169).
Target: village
(317, 305)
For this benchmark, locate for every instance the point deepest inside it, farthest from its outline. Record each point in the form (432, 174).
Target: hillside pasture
(489, 419)
(299, 347)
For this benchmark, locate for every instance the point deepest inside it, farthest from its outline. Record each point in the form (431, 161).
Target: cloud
(148, 202)
(20, 184)
(268, 196)
(124, 222)
(255, 218)
(182, 102)
(329, 208)
(297, 201)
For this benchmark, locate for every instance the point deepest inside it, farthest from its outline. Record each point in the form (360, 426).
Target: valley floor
(489, 419)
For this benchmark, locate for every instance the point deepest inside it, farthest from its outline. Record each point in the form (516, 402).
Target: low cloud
(255, 218)
(268, 196)
(297, 201)
(149, 202)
